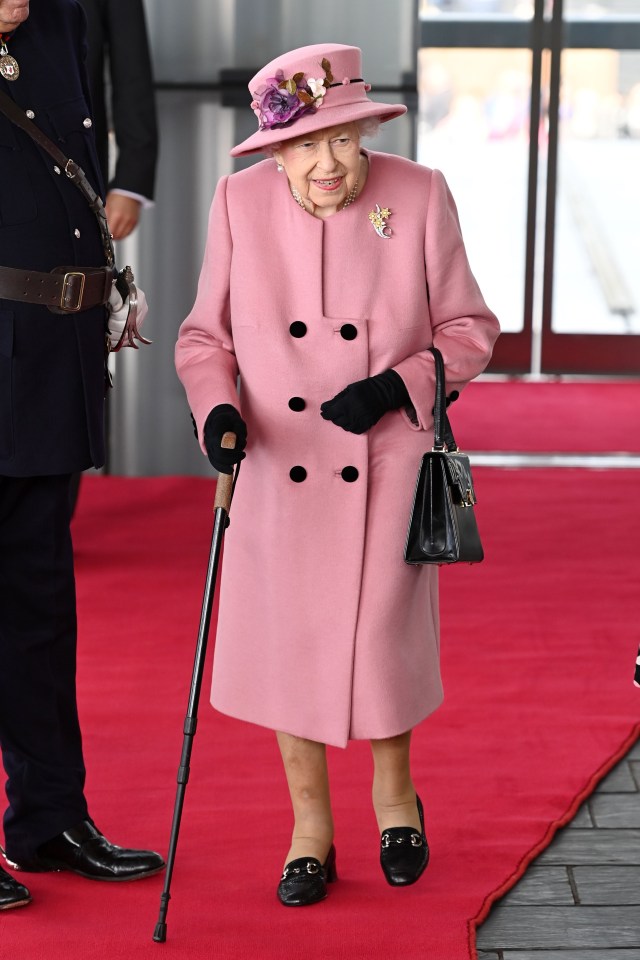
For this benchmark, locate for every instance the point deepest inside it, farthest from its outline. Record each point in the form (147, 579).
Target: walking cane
(224, 491)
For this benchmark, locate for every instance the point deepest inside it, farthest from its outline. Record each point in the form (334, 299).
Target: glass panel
(592, 8)
(596, 279)
(597, 9)
(519, 8)
(473, 124)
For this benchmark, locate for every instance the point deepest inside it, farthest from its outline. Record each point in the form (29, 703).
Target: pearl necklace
(351, 196)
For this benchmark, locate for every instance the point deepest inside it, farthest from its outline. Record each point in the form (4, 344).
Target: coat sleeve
(132, 97)
(205, 358)
(462, 326)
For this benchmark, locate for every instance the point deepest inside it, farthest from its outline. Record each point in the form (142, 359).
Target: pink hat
(309, 89)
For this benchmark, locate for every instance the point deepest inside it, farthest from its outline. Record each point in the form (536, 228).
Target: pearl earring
(279, 168)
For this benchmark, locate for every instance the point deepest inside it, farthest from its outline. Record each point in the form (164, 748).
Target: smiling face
(12, 14)
(324, 166)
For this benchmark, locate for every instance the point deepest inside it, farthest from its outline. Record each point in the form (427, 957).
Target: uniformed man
(52, 367)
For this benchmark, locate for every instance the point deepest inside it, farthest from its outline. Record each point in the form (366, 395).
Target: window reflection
(473, 124)
(597, 283)
(518, 8)
(595, 9)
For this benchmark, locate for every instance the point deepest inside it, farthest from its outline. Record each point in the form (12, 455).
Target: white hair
(367, 127)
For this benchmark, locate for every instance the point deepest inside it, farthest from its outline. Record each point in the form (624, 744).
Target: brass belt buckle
(67, 290)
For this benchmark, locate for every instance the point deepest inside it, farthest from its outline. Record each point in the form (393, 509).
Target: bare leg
(393, 793)
(305, 764)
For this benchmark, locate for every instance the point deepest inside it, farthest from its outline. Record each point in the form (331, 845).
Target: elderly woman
(329, 271)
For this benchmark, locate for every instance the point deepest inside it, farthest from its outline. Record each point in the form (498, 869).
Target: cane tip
(160, 933)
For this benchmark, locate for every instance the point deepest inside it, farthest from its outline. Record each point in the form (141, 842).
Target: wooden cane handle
(224, 485)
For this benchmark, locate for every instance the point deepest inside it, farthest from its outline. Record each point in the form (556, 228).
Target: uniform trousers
(39, 729)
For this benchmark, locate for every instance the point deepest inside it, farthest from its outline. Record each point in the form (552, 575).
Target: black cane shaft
(224, 490)
(219, 524)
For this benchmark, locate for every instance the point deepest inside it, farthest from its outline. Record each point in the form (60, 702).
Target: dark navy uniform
(52, 370)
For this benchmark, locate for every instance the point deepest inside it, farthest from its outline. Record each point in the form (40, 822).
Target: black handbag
(442, 526)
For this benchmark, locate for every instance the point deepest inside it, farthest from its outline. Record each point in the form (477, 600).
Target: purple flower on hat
(277, 101)
(281, 101)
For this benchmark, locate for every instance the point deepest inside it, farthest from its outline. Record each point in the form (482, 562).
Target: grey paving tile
(607, 884)
(619, 780)
(582, 818)
(634, 766)
(573, 847)
(541, 885)
(634, 753)
(552, 928)
(616, 810)
(482, 955)
(569, 954)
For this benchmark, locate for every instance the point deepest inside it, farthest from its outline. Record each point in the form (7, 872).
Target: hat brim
(325, 116)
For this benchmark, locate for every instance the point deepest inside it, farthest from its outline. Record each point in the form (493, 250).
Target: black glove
(360, 405)
(222, 419)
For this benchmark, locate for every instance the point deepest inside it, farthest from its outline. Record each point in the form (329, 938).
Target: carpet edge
(630, 740)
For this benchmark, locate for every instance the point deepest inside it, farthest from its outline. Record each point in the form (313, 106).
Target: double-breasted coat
(324, 632)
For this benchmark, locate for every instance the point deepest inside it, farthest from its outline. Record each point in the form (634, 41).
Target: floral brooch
(379, 218)
(281, 101)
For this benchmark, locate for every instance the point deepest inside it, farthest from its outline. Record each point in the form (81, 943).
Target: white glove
(119, 315)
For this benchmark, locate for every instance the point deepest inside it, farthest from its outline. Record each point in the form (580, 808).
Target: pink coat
(324, 632)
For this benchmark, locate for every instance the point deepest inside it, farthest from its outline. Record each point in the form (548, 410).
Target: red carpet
(538, 654)
(568, 416)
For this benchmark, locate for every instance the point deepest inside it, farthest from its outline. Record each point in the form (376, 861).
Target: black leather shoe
(305, 880)
(404, 853)
(85, 851)
(12, 893)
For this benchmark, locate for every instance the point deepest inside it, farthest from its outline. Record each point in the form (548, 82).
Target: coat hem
(342, 744)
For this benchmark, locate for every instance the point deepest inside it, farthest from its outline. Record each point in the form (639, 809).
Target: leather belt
(64, 290)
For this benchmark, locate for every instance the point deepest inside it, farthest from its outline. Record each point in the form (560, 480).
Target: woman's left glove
(360, 405)
(224, 419)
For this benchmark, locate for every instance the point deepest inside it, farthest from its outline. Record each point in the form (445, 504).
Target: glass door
(532, 109)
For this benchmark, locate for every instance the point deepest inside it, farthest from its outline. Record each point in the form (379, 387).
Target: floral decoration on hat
(281, 100)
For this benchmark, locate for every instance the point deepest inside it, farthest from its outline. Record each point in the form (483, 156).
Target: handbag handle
(442, 432)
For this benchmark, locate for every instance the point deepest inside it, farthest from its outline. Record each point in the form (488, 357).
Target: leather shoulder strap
(75, 173)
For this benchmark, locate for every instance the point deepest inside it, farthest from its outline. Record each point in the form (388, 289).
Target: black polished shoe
(305, 880)
(404, 853)
(12, 893)
(85, 851)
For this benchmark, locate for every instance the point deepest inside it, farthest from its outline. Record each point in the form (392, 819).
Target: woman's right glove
(223, 419)
(360, 405)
